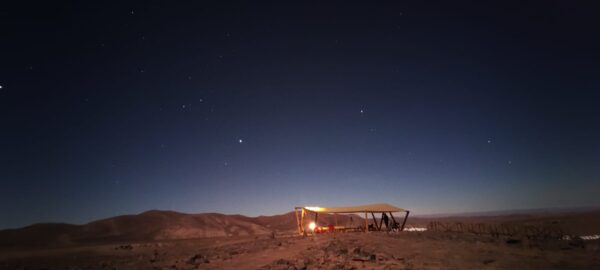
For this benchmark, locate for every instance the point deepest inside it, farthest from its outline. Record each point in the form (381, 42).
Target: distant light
(415, 229)
(590, 237)
(312, 226)
(240, 141)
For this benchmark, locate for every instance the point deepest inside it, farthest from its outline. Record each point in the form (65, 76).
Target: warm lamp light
(314, 208)
(312, 226)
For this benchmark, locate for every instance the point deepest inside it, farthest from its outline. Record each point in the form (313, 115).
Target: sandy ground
(375, 250)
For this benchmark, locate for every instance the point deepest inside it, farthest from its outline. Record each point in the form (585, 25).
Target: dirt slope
(147, 226)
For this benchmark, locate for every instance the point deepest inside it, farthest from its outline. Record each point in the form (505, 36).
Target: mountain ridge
(154, 225)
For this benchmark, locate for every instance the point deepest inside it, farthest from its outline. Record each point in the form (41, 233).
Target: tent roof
(379, 207)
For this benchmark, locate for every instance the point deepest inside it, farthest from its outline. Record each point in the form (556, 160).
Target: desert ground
(284, 249)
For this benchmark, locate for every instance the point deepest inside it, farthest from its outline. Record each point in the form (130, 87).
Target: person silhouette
(386, 220)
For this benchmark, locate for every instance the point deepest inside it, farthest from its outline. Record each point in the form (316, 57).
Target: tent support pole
(366, 223)
(405, 218)
(375, 221)
(302, 222)
(394, 219)
(298, 221)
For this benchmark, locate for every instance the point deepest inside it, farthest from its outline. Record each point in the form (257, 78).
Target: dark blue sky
(255, 108)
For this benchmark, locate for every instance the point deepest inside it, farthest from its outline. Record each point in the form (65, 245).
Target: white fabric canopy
(372, 208)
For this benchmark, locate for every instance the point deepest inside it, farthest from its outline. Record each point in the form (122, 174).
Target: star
(489, 141)
(240, 141)
(362, 111)
(183, 106)
(0, 86)
(509, 162)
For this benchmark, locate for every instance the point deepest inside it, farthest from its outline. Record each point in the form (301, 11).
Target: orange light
(312, 226)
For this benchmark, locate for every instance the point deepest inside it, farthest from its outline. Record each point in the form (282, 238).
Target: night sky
(257, 107)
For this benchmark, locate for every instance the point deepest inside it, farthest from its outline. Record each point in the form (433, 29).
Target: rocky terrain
(374, 250)
(170, 240)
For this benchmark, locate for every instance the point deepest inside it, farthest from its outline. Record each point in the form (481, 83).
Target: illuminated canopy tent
(370, 208)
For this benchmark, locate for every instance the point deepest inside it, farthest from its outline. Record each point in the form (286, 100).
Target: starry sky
(256, 107)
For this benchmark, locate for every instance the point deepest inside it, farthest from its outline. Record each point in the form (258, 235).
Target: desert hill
(147, 226)
(155, 225)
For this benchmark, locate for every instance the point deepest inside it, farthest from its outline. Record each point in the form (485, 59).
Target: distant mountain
(514, 212)
(147, 226)
(156, 225)
(579, 221)
(165, 225)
